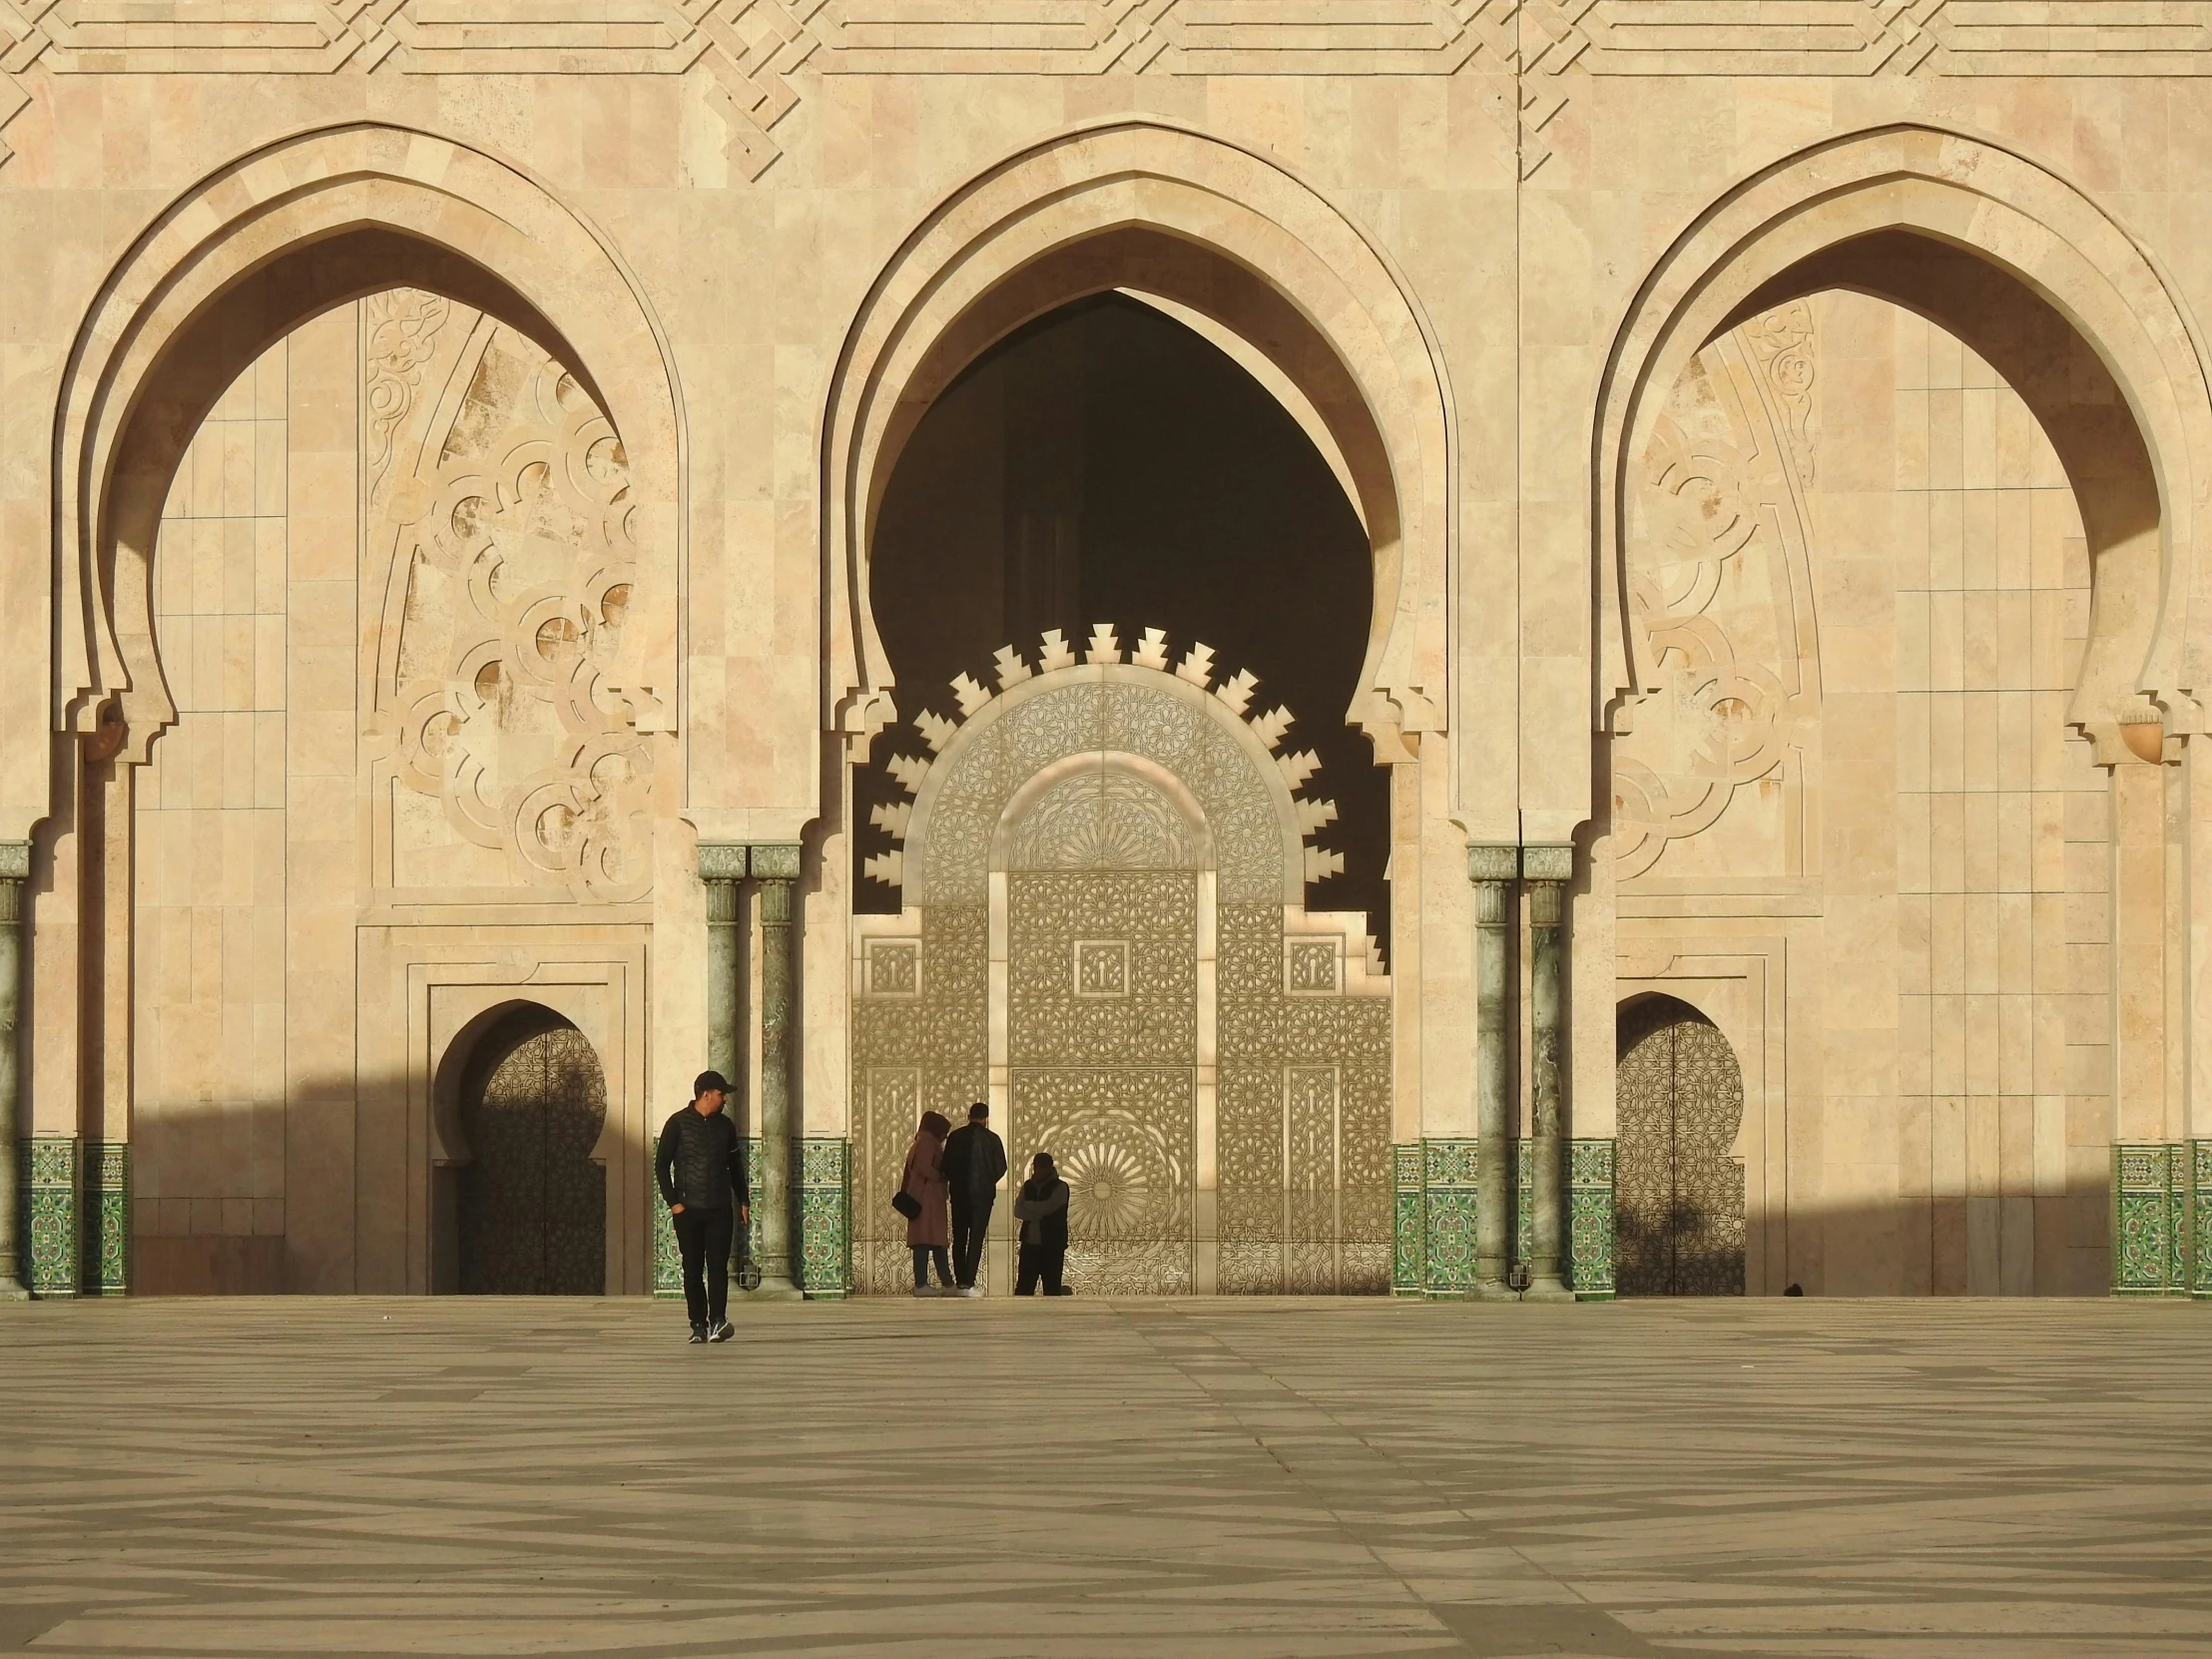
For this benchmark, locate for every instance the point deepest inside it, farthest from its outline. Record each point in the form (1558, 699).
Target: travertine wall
(1873, 787)
(1479, 242)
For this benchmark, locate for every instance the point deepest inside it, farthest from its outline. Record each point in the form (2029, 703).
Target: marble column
(1546, 869)
(15, 874)
(774, 867)
(1491, 866)
(722, 867)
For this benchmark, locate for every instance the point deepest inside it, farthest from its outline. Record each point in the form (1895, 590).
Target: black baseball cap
(707, 1081)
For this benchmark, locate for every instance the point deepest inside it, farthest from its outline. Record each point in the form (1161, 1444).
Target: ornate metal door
(1678, 1194)
(1102, 1026)
(533, 1204)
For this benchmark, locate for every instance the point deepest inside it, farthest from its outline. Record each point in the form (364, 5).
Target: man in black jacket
(974, 1159)
(700, 1168)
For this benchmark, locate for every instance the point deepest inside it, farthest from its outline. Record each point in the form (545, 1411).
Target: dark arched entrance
(533, 1202)
(1678, 1194)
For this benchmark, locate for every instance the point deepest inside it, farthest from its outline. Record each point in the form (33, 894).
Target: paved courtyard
(1110, 1480)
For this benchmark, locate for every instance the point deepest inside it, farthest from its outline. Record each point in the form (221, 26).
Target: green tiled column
(1409, 1251)
(824, 1216)
(1524, 1201)
(1450, 1217)
(667, 1263)
(1590, 1220)
(15, 1203)
(105, 1251)
(51, 1184)
(2151, 1188)
(2200, 1211)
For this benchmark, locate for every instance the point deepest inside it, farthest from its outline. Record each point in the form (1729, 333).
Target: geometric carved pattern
(51, 1187)
(1277, 1057)
(2200, 1209)
(1449, 1209)
(533, 1203)
(746, 52)
(1680, 1197)
(824, 1211)
(2150, 1198)
(507, 536)
(1111, 815)
(1104, 1077)
(1409, 1258)
(1591, 1219)
(107, 1201)
(1101, 887)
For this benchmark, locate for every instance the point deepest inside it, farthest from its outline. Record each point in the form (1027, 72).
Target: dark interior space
(1108, 465)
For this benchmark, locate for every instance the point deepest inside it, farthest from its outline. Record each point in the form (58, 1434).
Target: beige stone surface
(1782, 436)
(1082, 1478)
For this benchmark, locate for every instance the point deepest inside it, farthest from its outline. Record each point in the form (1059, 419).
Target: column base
(1494, 1289)
(770, 1290)
(1547, 1287)
(11, 1290)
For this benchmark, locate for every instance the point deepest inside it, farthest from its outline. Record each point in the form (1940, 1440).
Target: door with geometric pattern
(533, 1202)
(1678, 1194)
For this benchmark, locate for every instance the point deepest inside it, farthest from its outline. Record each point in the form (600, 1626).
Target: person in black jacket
(1042, 1210)
(700, 1168)
(974, 1160)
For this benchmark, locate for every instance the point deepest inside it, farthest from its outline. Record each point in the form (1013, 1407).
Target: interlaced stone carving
(1716, 535)
(511, 563)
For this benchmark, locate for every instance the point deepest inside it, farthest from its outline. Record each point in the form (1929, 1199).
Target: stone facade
(442, 463)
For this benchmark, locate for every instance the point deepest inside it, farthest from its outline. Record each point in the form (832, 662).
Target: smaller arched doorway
(1678, 1191)
(532, 1200)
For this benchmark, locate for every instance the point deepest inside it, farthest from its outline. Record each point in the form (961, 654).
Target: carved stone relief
(1678, 1193)
(1720, 594)
(501, 557)
(1114, 807)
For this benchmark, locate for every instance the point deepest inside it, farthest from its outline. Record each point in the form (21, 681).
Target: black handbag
(906, 1203)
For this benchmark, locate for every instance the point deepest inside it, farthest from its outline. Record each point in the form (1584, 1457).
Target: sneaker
(699, 1333)
(970, 1290)
(720, 1332)
(926, 1289)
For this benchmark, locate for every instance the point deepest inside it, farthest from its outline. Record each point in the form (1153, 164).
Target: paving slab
(1097, 1479)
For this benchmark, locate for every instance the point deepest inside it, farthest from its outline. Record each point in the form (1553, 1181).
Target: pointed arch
(1173, 215)
(2019, 263)
(259, 246)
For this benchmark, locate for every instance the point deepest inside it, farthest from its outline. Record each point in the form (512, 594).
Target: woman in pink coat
(928, 1232)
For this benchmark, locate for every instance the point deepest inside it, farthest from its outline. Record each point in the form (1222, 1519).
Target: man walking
(974, 1159)
(700, 1168)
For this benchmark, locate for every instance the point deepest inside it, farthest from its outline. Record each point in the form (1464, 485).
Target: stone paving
(1106, 1480)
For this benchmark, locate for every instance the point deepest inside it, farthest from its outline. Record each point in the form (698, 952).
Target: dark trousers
(704, 1237)
(1041, 1262)
(970, 1221)
(922, 1255)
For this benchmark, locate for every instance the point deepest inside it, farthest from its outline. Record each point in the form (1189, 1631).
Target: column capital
(15, 861)
(722, 861)
(774, 861)
(1547, 861)
(1492, 860)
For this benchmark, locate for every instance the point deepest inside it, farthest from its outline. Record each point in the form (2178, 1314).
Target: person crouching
(1042, 1208)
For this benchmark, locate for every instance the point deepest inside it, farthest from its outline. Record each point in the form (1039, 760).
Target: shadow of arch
(519, 1201)
(1161, 212)
(1678, 1191)
(2028, 271)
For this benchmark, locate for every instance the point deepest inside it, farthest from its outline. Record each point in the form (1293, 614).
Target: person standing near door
(974, 1161)
(700, 1168)
(923, 1183)
(1042, 1208)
